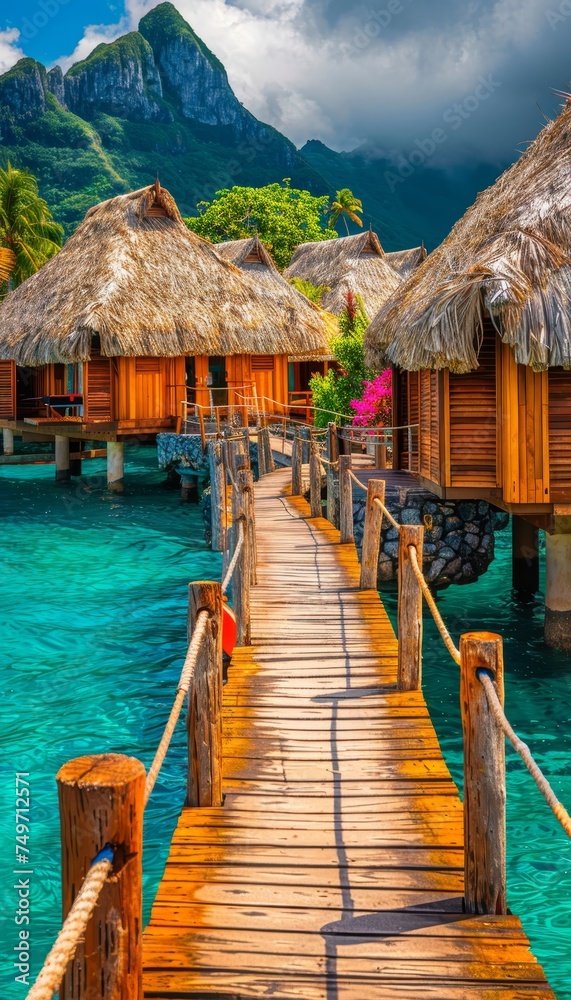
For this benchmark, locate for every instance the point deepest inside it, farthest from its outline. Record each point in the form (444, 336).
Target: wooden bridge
(321, 855)
(335, 867)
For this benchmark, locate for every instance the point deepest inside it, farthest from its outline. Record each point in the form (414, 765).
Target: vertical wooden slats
(559, 406)
(8, 390)
(473, 420)
(98, 395)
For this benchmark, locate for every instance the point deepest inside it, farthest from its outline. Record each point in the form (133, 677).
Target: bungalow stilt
(558, 585)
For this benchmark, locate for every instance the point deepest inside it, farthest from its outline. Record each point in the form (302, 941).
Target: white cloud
(10, 52)
(93, 35)
(366, 74)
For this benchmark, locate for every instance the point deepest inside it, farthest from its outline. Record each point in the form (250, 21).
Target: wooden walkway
(335, 869)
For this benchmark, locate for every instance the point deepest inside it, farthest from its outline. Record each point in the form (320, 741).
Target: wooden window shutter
(263, 362)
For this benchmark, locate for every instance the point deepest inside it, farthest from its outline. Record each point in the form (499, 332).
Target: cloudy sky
(345, 72)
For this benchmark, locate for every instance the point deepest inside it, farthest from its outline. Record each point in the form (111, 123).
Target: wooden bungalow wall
(560, 434)
(502, 431)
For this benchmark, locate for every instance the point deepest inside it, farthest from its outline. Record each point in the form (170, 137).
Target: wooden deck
(335, 869)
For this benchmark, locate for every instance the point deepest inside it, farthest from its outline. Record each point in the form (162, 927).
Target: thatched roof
(251, 256)
(136, 278)
(509, 257)
(405, 262)
(350, 263)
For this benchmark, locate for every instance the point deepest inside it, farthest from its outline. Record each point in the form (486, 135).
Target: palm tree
(348, 206)
(7, 264)
(27, 228)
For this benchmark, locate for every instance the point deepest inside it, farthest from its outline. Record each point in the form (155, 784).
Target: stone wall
(459, 539)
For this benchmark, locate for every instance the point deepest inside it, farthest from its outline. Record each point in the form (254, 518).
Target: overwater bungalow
(251, 256)
(480, 337)
(133, 315)
(355, 264)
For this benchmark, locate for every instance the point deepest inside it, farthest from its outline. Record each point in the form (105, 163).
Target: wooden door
(429, 419)
(98, 389)
(473, 421)
(524, 418)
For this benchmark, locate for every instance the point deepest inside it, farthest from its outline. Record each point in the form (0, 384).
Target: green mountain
(158, 102)
(404, 211)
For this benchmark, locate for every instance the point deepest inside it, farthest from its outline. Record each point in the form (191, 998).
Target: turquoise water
(538, 704)
(92, 635)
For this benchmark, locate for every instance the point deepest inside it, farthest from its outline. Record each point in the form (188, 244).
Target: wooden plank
(335, 867)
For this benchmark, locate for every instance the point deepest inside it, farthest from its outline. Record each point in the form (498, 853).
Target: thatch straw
(350, 264)
(510, 257)
(252, 257)
(405, 262)
(145, 285)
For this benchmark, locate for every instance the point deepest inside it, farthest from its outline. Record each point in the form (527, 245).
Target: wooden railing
(480, 658)
(102, 798)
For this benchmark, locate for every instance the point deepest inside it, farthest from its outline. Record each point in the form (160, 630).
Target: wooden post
(262, 456)
(332, 457)
(245, 571)
(484, 776)
(372, 535)
(101, 801)
(202, 427)
(315, 479)
(270, 464)
(218, 496)
(346, 500)
(296, 465)
(246, 446)
(381, 455)
(204, 721)
(409, 611)
(305, 445)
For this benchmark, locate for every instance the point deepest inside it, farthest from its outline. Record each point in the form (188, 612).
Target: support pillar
(115, 465)
(75, 463)
(558, 585)
(525, 556)
(8, 441)
(63, 473)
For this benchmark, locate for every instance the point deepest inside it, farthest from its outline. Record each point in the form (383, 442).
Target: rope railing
(438, 619)
(78, 919)
(65, 946)
(184, 683)
(386, 513)
(522, 749)
(231, 568)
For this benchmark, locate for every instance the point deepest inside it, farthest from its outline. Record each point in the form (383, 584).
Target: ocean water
(538, 704)
(93, 596)
(93, 591)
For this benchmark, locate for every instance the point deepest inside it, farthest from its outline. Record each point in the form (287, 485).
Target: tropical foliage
(334, 392)
(374, 408)
(28, 230)
(312, 292)
(346, 206)
(282, 216)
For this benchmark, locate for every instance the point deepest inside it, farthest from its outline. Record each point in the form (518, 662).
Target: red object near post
(229, 630)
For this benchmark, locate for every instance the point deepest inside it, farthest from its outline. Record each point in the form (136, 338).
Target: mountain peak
(164, 24)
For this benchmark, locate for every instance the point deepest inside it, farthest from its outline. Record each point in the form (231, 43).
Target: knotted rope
(387, 514)
(73, 928)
